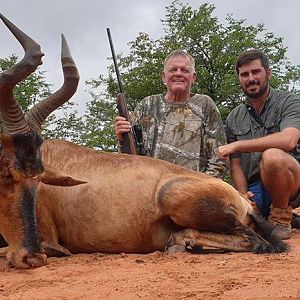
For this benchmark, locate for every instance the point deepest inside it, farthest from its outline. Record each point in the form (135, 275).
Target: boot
(295, 220)
(281, 219)
(296, 202)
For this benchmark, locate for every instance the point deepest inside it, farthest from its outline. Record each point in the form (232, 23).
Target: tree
(67, 125)
(94, 128)
(99, 119)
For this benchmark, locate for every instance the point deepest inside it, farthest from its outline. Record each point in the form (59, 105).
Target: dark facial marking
(27, 151)
(28, 211)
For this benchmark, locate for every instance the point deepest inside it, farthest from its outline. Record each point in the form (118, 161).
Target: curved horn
(13, 119)
(38, 114)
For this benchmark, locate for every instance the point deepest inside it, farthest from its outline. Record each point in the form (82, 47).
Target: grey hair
(183, 53)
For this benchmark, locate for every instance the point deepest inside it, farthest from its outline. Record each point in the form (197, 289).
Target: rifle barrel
(115, 61)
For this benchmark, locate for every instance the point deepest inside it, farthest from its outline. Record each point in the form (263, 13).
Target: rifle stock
(128, 145)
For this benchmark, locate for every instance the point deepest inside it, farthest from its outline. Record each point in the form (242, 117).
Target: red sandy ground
(158, 276)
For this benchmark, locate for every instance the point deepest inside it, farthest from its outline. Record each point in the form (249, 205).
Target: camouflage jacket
(186, 134)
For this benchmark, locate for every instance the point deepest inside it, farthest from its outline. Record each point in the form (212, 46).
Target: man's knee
(273, 160)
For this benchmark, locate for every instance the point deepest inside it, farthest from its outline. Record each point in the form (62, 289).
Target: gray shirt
(281, 110)
(187, 133)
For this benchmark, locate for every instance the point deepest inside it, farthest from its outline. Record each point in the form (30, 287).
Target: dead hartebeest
(127, 203)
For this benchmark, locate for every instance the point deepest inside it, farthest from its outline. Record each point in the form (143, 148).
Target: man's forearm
(238, 178)
(239, 183)
(285, 140)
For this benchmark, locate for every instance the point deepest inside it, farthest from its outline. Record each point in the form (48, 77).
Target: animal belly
(97, 221)
(133, 235)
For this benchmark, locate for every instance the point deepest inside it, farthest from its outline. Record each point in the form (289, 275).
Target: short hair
(183, 53)
(249, 55)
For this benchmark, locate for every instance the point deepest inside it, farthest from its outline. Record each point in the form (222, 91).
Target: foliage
(94, 129)
(65, 126)
(99, 119)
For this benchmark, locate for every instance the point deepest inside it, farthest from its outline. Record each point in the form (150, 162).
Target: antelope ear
(55, 177)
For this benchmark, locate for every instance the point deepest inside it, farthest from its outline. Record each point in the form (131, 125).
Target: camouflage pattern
(187, 133)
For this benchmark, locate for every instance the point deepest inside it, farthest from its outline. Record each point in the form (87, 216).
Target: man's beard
(261, 91)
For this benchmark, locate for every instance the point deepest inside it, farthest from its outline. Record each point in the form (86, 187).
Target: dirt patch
(158, 276)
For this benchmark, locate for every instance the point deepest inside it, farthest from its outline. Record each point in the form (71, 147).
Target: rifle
(132, 140)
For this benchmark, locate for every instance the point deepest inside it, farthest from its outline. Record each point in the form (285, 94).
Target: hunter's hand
(121, 126)
(225, 150)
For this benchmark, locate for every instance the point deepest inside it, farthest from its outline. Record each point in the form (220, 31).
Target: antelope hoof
(175, 249)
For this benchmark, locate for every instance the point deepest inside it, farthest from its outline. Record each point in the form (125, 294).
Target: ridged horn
(13, 119)
(38, 114)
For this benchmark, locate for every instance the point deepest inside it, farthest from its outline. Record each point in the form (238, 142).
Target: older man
(180, 127)
(263, 143)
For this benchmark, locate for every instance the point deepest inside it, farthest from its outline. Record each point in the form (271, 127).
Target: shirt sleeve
(230, 138)
(290, 113)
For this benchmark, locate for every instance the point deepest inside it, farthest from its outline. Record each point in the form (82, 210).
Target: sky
(84, 24)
